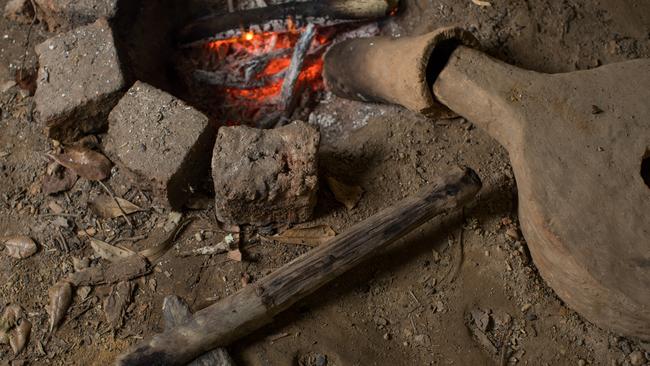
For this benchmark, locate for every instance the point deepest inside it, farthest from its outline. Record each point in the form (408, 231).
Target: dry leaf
(60, 301)
(116, 303)
(346, 194)
(235, 255)
(156, 251)
(10, 316)
(107, 207)
(86, 163)
(109, 252)
(19, 336)
(19, 246)
(60, 181)
(310, 236)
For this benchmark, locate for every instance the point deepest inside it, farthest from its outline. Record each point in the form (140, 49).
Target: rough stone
(79, 81)
(162, 141)
(263, 177)
(20, 11)
(63, 15)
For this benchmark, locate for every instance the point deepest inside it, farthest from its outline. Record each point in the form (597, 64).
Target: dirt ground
(461, 290)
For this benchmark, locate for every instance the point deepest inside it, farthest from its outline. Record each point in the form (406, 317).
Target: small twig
(415, 298)
(110, 193)
(415, 330)
(461, 255)
(27, 42)
(504, 345)
(64, 242)
(276, 337)
(58, 214)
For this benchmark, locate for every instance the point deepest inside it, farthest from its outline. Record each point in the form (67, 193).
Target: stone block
(264, 177)
(162, 141)
(80, 80)
(64, 15)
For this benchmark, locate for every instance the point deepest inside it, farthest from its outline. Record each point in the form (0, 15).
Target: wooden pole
(255, 305)
(210, 25)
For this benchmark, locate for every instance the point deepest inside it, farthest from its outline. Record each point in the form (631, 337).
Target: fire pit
(267, 69)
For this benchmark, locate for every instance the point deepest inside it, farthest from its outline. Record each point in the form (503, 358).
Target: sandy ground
(421, 302)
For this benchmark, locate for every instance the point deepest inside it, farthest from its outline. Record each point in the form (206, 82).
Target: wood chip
(346, 194)
(109, 208)
(310, 236)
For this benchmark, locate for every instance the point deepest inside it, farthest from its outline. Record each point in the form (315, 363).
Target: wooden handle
(255, 305)
(486, 91)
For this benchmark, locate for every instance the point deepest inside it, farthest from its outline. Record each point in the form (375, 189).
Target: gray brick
(164, 142)
(79, 81)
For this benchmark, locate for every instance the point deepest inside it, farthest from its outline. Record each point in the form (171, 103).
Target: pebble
(387, 336)
(582, 362)
(512, 233)
(637, 358)
(381, 321)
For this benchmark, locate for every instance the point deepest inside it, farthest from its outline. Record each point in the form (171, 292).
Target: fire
(258, 61)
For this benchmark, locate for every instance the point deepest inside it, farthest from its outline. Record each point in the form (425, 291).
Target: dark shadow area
(146, 36)
(439, 59)
(645, 168)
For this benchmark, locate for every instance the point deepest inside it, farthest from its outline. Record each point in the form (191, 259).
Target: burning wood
(289, 86)
(261, 78)
(271, 18)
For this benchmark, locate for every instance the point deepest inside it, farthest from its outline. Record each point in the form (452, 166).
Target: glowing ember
(247, 71)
